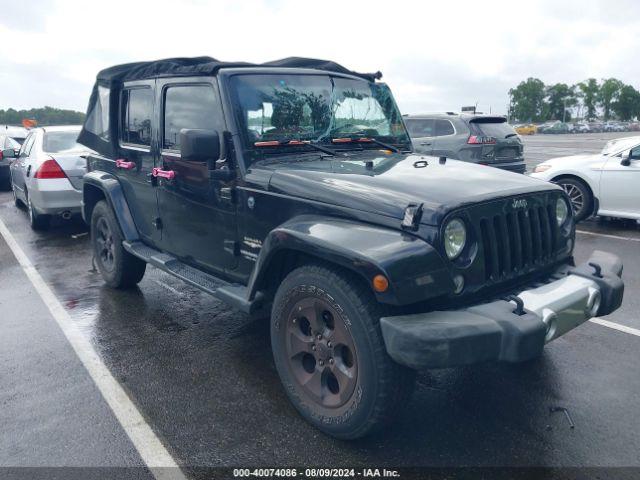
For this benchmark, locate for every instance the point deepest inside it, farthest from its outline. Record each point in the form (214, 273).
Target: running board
(234, 295)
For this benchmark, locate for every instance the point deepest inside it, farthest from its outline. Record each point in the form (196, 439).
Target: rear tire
(37, 221)
(580, 196)
(330, 354)
(118, 267)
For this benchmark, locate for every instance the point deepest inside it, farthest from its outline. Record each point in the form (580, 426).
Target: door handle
(168, 174)
(124, 164)
(425, 144)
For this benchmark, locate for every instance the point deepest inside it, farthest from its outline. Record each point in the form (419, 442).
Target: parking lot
(203, 379)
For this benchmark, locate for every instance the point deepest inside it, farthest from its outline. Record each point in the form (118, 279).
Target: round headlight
(562, 211)
(455, 237)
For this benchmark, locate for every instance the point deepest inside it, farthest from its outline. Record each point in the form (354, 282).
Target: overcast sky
(435, 55)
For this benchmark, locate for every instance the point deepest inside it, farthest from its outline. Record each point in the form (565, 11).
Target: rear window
(56, 142)
(498, 128)
(420, 127)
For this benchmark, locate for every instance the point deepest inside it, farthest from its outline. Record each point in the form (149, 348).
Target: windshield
(56, 142)
(315, 108)
(620, 144)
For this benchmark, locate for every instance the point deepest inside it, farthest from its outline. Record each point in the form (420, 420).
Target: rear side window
(136, 109)
(498, 128)
(188, 106)
(419, 127)
(444, 127)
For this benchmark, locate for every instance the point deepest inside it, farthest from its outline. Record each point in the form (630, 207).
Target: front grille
(519, 240)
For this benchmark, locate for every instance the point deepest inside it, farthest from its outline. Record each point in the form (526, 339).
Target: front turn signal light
(380, 283)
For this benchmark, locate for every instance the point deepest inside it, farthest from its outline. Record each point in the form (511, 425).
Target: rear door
(620, 186)
(422, 132)
(19, 165)
(445, 142)
(136, 156)
(198, 214)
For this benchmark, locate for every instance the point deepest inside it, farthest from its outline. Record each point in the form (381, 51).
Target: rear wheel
(580, 196)
(330, 355)
(36, 220)
(118, 267)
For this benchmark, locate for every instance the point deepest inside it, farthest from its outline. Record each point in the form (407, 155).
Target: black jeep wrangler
(289, 189)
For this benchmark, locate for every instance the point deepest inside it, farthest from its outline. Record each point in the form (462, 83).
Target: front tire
(118, 267)
(580, 196)
(330, 354)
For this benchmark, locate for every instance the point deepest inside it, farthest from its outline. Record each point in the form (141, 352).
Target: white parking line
(616, 326)
(153, 453)
(606, 235)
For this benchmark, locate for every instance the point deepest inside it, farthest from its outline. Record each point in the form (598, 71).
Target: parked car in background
(596, 127)
(47, 174)
(484, 139)
(634, 126)
(6, 144)
(528, 129)
(15, 132)
(556, 128)
(581, 128)
(606, 183)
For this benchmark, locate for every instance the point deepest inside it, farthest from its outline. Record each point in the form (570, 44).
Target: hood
(575, 160)
(391, 182)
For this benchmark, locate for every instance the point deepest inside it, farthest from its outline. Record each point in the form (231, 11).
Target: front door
(620, 186)
(135, 160)
(197, 214)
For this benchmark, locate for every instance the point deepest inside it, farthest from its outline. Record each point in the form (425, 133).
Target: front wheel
(580, 196)
(118, 267)
(330, 355)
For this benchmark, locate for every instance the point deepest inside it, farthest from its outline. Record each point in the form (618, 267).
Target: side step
(234, 295)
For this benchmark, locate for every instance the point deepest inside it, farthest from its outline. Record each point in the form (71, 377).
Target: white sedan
(607, 183)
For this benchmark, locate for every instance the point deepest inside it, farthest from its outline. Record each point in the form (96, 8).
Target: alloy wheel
(105, 250)
(575, 195)
(321, 352)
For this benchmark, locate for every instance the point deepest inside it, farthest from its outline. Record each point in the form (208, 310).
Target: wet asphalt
(203, 377)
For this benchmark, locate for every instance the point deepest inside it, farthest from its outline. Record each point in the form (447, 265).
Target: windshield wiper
(294, 143)
(366, 140)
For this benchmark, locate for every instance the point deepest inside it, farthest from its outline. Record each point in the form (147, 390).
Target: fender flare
(111, 189)
(414, 268)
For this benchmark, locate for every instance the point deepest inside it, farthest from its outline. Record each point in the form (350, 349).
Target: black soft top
(210, 66)
(99, 131)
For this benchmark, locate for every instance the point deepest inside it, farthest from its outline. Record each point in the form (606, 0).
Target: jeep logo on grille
(519, 203)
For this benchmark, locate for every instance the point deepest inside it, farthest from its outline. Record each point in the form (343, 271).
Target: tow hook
(597, 268)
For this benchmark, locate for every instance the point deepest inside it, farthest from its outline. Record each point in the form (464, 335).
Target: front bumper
(497, 331)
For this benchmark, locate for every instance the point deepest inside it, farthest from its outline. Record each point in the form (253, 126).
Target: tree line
(43, 116)
(533, 101)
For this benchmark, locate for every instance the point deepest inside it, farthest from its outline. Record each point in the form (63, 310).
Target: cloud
(434, 55)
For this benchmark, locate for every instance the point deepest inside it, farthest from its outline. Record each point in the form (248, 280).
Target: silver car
(47, 174)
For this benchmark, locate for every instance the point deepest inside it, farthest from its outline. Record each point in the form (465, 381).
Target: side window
(444, 127)
(136, 108)
(188, 106)
(635, 153)
(420, 127)
(25, 150)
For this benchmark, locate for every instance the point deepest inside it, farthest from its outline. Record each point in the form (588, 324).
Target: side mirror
(626, 159)
(199, 145)
(9, 153)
